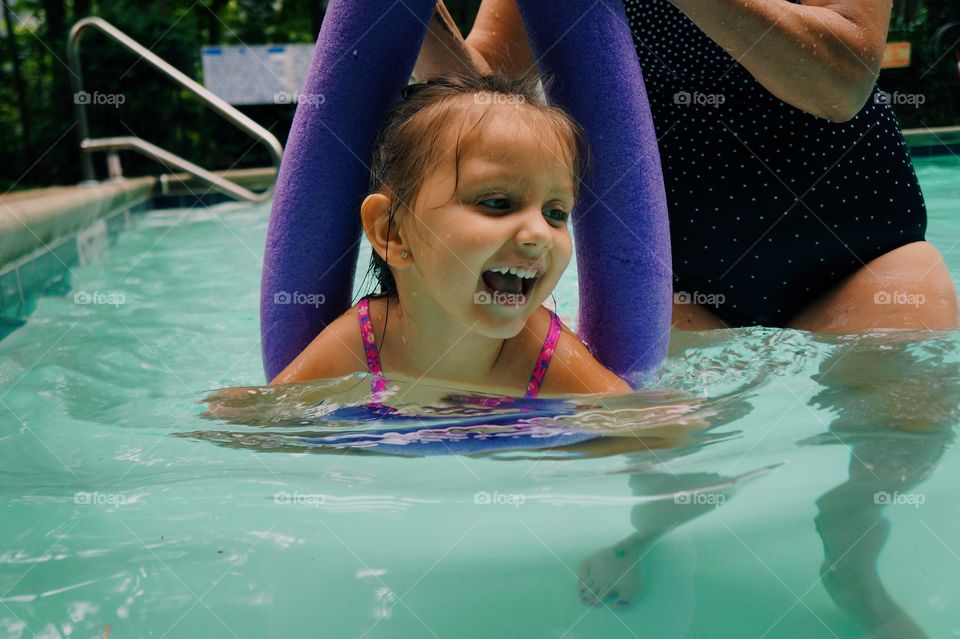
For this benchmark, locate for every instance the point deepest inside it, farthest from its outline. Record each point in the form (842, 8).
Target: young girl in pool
(472, 184)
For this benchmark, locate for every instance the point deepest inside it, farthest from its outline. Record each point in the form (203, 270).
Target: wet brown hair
(410, 142)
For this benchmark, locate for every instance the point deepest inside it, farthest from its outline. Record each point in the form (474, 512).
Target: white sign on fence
(268, 74)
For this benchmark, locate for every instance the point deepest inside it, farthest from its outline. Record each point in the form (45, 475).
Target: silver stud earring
(404, 255)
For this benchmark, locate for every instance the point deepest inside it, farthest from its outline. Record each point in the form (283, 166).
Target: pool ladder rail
(132, 143)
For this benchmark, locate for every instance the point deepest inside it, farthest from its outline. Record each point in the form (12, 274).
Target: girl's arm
(575, 371)
(822, 56)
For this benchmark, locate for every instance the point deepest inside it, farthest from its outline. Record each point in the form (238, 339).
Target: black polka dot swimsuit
(769, 206)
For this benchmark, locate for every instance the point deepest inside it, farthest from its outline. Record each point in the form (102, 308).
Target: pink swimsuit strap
(546, 354)
(379, 383)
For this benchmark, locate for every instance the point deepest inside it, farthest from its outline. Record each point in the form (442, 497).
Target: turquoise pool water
(126, 513)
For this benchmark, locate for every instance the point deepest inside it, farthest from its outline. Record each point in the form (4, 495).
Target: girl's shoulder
(573, 369)
(335, 352)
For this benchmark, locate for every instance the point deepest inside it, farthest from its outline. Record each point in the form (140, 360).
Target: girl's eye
(497, 203)
(558, 215)
(504, 204)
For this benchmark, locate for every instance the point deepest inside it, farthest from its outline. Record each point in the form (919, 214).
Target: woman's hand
(444, 50)
(822, 56)
(497, 43)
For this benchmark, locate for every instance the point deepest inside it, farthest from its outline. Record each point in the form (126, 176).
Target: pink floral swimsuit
(379, 383)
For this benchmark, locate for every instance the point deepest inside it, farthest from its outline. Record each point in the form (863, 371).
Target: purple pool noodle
(364, 56)
(620, 224)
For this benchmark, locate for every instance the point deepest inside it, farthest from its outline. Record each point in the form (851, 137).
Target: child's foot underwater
(612, 575)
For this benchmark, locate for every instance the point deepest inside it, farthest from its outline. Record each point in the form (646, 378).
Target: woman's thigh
(908, 287)
(693, 317)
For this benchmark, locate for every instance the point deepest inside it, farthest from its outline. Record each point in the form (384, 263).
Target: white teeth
(513, 270)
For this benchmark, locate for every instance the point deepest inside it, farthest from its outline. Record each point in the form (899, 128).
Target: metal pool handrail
(132, 143)
(937, 39)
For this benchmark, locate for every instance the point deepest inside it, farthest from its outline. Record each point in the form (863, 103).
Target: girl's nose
(534, 231)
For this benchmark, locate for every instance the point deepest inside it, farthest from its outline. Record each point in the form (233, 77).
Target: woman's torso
(769, 206)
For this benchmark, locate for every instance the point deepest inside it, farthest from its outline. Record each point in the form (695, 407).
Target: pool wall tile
(67, 252)
(48, 268)
(117, 223)
(142, 207)
(10, 293)
(29, 276)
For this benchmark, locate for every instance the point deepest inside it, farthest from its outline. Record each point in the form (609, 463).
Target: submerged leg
(614, 572)
(896, 412)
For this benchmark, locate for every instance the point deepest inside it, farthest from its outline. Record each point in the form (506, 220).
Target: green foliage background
(39, 144)
(38, 141)
(933, 28)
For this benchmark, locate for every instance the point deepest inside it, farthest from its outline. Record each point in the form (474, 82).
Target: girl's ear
(375, 215)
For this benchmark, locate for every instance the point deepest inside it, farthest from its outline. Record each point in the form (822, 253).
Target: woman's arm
(822, 56)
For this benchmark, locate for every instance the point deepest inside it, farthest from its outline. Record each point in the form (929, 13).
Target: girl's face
(489, 248)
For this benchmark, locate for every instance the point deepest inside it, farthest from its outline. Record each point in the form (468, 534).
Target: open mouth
(508, 288)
